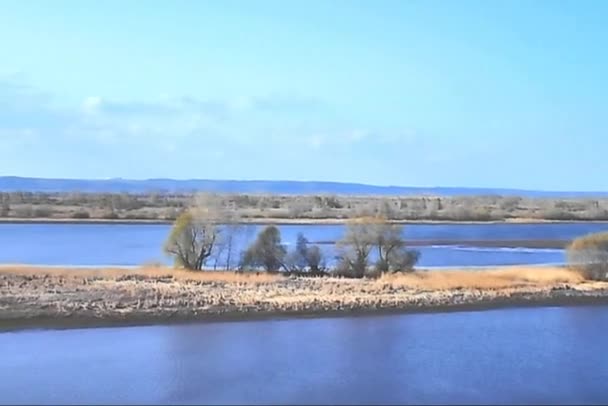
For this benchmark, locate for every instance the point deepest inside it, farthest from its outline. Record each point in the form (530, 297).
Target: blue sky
(421, 93)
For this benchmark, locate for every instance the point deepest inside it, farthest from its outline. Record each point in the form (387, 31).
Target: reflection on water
(136, 244)
(539, 355)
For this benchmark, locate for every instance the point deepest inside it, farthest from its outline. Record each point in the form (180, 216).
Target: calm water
(89, 244)
(537, 355)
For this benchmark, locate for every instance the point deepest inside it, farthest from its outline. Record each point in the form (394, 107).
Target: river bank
(304, 208)
(286, 221)
(32, 297)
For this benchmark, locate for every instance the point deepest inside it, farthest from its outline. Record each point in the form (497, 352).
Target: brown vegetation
(155, 294)
(509, 277)
(166, 207)
(589, 255)
(367, 234)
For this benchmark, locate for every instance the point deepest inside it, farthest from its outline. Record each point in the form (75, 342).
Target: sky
(414, 93)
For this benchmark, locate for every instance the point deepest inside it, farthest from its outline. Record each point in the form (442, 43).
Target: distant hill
(13, 184)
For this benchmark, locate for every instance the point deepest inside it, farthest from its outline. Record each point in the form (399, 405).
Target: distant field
(305, 208)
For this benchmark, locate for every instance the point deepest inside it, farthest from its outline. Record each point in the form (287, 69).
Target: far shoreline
(283, 221)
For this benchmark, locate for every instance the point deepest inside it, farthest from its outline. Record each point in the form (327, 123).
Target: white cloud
(177, 131)
(316, 141)
(356, 135)
(91, 105)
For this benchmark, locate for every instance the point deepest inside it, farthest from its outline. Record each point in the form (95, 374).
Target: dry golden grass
(439, 280)
(152, 272)
(428, 280)
(159, 293)
(484, 279)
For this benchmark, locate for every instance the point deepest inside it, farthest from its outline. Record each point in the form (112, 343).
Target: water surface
(514, 356)
(136, 244)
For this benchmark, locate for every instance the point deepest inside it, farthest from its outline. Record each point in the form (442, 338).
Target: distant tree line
(167, 207)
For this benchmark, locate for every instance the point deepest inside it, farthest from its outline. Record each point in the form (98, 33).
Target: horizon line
(498, 188)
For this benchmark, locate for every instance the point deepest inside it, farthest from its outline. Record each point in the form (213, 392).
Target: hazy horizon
(312, 181)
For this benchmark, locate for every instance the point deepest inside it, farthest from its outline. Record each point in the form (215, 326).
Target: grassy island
(57, 297)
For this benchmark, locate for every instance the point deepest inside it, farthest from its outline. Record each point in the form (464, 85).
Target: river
(137, 244)
(514, 356)
(551, 355)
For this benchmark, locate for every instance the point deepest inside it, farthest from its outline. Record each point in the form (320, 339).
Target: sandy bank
(52, 297)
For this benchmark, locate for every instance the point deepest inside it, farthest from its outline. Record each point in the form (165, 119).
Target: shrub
(266, 251)
(142, 215)
(42, 212)
(305, 259)
(589, 254)
(24, 212)
(400, 260)
(5, 209)
(559, 214)
(110, 215)
(81, 215)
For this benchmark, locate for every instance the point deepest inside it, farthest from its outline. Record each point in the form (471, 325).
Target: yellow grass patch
(497, 278)
(151, 272)
(484, 279)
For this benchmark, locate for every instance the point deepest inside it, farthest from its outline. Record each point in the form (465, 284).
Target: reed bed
(148, 272)
(159, 294)
(485, 279)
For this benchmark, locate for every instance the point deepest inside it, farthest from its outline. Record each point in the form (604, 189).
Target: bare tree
(393, 254)
(354, 249)
(195, 233)
(369, 233)
(231, 229)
